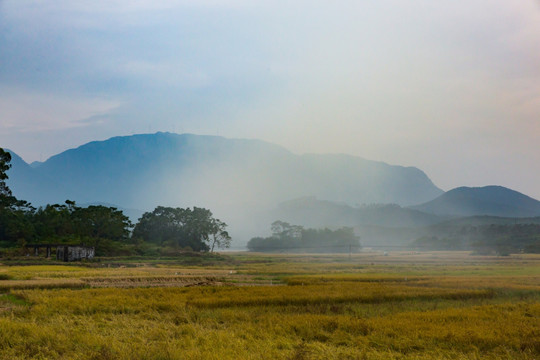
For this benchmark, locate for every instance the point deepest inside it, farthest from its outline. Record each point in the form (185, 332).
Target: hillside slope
(311, 212)
(488, 200)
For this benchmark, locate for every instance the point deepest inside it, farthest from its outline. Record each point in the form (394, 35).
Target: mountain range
(244, 181)
(143, 171)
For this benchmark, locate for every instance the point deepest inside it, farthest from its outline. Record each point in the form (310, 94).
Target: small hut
(74, 252)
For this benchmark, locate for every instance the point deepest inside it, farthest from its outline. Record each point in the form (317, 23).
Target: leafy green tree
(287, 237)
(7, 200)
(161, 226)
(21, 224)
(15, 225)
(284, 230)
(197, 228)
(194, 228)
(55, 223)
(99, 224)
(5, 159)
(105, 228)
(219, 236)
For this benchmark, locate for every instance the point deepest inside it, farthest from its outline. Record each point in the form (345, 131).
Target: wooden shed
(74, 252)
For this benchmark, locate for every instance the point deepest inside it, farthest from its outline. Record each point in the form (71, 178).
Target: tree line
(111, 232)
(499, 239)
(295, 238)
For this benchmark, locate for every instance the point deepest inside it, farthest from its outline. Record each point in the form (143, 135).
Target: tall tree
(287, 237)
(100, 223)
(5, 192)
(55, 223)
(219, 236)
(7, 200)
(15, 227)
(284, 230)
(194, 228)
(99, 226)
(161, 226)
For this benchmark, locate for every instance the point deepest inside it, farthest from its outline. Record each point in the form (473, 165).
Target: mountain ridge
(115, 170)
(492, 200)
(243, 181)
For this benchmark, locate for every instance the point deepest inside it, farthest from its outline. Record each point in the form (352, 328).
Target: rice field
(367, 306)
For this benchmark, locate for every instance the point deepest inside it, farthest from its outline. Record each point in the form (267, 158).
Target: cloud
(162, 73)
(440, 85)
(24, 111)
(105, 14)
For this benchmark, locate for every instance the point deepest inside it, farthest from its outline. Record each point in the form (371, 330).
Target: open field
(437, 305)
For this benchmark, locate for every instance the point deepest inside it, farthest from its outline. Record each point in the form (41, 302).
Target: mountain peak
(491, 200)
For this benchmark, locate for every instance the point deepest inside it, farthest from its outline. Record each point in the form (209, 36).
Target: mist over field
(242, 181)
(249, 184)
(386, 117)
(448, 87)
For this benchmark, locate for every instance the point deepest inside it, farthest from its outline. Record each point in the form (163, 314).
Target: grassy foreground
(402, 306)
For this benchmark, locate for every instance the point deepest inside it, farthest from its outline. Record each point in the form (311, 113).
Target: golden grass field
(438, 305)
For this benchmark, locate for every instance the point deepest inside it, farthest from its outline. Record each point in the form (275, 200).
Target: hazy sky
(452, 87)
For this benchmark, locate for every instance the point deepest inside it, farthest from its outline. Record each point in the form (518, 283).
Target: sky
(451, 87)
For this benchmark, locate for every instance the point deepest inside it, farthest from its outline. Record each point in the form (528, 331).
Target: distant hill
(143, 171)
(483, 220)
(376, 224)
(389, 225)
(488, 200)
(311, 212)
(30, 185)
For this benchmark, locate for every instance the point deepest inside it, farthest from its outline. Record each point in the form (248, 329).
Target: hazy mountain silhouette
(28, 184)
(383, 225)
(244, 181)
(143, 171)
(488, 200)
(311, 212)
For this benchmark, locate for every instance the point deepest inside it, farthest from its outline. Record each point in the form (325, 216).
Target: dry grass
(468, 309)
(153, 281)
(6, 285)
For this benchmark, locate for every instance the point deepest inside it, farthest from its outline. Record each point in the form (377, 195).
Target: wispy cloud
(24, 111)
